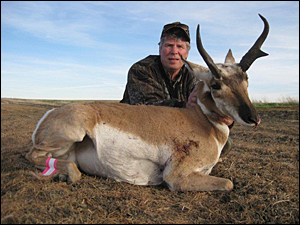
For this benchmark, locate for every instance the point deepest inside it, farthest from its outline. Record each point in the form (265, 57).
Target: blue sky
(83, 50)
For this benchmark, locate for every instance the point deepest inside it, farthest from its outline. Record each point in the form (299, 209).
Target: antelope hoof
(228, 185)
(74, 173)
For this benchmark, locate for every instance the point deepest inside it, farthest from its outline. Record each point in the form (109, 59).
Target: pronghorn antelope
(146, 145)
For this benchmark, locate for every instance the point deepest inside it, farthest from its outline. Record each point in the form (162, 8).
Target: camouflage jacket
(149, 83)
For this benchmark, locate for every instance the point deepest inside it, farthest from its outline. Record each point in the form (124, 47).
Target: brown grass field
(263, 165)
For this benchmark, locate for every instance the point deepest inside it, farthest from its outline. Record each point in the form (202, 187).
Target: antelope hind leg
(64, 167)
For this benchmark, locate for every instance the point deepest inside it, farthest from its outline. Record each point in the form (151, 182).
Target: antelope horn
(255, 51)
(208, 60)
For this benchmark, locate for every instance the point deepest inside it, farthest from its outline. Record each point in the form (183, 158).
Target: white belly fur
(123, 157)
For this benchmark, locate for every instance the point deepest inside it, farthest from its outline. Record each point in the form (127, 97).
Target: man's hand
(226, 120)
(192, 101)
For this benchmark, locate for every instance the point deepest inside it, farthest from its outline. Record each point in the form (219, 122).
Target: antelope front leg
(196, 181)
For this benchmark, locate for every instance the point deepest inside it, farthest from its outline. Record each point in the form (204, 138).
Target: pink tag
(51, 167)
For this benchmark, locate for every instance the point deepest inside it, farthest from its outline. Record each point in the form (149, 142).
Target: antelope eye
(216, 86)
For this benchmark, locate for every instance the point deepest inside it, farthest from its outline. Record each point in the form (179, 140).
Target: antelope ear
(229, 58)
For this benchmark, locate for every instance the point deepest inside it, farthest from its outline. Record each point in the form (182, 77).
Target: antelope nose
(253, 120)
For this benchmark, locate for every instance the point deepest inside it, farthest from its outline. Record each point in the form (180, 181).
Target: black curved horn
(208, 60)
(255, 51)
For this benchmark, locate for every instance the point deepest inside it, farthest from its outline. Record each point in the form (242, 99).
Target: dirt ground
(263, 165)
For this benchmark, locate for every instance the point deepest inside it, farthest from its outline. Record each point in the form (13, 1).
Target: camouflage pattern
(149, 83)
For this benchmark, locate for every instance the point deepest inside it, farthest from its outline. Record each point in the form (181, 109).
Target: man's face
(170, 54)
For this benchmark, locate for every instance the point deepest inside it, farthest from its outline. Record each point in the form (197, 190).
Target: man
(162, 79)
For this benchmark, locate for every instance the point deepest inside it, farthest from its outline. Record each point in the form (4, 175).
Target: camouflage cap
(176, 25)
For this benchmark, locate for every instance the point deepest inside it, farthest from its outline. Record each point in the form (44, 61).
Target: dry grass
(263, 165)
